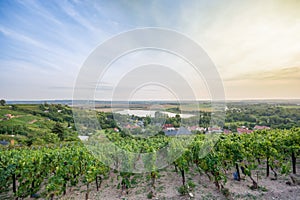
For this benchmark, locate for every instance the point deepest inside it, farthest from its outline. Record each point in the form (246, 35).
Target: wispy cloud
(286, 74)
(20, 37)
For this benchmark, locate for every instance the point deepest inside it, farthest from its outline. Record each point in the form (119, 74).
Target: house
(196, 128)
(226, 131)
(4, 142)
(214, 130)
(178, 131)
(168, 127)
(261, 127)
(83, 137)
(243, 130)
(140, 123)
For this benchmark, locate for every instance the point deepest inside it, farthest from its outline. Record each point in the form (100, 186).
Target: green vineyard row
(50, 170)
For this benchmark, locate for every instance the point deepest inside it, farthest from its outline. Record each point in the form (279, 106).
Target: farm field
(48, 161)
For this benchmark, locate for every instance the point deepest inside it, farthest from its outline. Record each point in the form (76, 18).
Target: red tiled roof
(243, 130)
(168, 126)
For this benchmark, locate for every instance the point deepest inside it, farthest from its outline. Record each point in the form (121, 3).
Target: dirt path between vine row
(169, 181)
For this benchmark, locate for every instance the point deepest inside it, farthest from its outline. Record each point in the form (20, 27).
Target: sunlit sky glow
(254, 44)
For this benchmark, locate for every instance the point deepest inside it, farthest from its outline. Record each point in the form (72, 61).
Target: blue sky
(254, 44)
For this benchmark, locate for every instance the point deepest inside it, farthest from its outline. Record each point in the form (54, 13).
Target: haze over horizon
(254, 44)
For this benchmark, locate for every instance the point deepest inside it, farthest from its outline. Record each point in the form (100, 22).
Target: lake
(151, 113)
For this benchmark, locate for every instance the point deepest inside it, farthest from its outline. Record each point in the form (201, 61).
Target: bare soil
(169, 181)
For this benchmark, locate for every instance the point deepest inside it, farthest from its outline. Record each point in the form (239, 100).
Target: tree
(50, 137)
(2, 102)
(59, 130)
(14, 107)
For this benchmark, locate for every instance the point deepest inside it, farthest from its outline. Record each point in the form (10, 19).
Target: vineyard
(51, 171)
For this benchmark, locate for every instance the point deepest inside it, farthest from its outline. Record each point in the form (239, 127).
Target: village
(170, 129)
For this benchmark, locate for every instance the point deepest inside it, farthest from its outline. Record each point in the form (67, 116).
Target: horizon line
(102, 100)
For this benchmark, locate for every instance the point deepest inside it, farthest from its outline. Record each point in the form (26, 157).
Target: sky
(253, 44)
